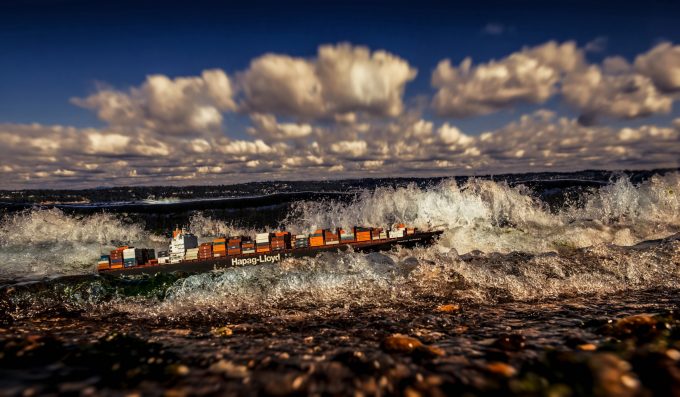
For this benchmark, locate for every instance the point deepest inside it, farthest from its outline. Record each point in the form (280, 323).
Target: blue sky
(53, 51)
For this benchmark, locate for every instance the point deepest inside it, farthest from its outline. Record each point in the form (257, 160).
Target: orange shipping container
(117, 266)
(263, 249)
(316, 241)
(363, 236)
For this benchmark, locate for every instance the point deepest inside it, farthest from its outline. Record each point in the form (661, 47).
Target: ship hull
(207, 265)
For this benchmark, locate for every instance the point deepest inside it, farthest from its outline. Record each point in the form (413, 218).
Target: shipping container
(316, 241)
(363, 236)
(396, 233)
(263, 248)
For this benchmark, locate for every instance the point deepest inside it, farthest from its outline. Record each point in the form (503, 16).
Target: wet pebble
(398, 343)
(450, 308)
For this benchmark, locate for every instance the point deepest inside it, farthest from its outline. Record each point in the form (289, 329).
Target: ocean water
(508, 246)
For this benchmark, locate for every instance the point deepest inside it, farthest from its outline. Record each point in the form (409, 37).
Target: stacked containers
(316, 238)
(301, 241)
(346, 236)
(280, 241)
(362, 233)
(191, 254)
(104, 263)
(376, 233)
(234, 246)
(262, 242)
(330, 238)
(219, 247)
(133, 257)
(205, 251)
(410, 230)
(247, 247)
(149, 255)
(117, 258)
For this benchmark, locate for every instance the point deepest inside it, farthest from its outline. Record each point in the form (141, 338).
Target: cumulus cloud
(613, 92)
(614, 88)
(167, 106)
(266, 126)
(341, 79)
(42, 156)
(530, 75)
(315, 118)
(662, 65)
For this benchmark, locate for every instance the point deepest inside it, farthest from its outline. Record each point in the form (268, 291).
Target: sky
(113, 93)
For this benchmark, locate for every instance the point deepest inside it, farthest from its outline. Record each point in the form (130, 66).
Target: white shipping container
(396, 233)
(262, 235)
(132, 253)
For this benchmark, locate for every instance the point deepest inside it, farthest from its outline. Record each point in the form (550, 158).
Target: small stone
(673, 354)
(284, 356)
(398, 343)
(229, 369)
(641, 326)
(587, 347)
(630, 382)
(450, 308)
(309, 340)
(411, 392)
(500, 368)
(179, 369)
(298, 381)
(222, 331)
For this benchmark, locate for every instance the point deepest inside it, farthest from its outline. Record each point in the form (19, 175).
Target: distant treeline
(138, 193)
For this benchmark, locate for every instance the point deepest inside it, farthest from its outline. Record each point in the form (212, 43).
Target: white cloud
(100, 143)
(266, 126)
(595, 92)
(451, 135)
(167, 106)
(530, 75)
(662, 65)
(341, 79)
(349, 148)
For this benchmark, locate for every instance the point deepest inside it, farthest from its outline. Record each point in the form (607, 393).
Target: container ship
(186, 254)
